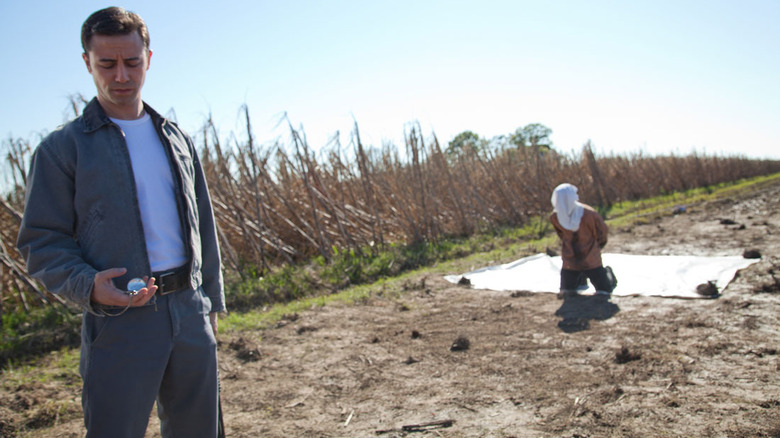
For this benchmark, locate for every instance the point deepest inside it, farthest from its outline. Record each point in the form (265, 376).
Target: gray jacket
(82, 216)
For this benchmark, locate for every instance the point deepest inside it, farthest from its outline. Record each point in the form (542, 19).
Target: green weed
(27, 334)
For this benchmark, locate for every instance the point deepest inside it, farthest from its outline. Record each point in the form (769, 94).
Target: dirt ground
(441, 360)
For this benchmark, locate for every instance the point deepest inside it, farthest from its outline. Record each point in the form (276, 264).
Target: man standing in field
(117, 197)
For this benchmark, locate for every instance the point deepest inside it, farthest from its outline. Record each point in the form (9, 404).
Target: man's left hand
(213, 317)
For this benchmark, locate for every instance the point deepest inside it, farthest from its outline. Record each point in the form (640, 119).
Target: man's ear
(148, 58)
(85, 57)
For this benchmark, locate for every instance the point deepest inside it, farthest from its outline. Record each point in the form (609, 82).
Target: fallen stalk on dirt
(422, 427)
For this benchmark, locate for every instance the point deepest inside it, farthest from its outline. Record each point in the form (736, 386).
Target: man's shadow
(578, 311)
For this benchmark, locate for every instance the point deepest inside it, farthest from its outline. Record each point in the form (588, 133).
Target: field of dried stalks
(277, 205)
(635, 366)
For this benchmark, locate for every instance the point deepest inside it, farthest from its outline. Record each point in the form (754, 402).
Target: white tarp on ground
(666, 276)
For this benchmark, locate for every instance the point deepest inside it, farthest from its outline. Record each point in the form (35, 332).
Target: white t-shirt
(156, 199)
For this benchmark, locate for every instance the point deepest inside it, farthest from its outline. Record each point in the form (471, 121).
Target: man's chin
(124, 97)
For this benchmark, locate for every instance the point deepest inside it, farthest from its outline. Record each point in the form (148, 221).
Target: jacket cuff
(217, 305)
(85, 301)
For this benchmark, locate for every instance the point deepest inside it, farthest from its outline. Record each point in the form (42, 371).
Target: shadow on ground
(578, 311)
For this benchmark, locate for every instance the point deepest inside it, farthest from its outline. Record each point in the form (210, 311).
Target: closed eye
(111, 63)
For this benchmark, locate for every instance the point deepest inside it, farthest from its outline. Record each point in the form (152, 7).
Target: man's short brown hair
(113, 21)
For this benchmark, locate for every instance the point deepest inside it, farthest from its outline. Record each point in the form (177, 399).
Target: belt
(172, 280)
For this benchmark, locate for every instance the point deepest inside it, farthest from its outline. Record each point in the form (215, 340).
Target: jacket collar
(95, 117)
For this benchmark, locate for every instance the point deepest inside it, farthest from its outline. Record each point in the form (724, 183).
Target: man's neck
(124, 112)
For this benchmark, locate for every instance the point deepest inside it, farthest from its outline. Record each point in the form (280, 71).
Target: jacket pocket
(86, 232)
(186, 169)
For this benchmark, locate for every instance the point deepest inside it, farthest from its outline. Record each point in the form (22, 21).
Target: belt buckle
(161, 287)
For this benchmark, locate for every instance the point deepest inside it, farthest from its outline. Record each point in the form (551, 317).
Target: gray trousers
(166, 353)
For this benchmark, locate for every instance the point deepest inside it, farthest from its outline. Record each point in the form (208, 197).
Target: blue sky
(652, 76)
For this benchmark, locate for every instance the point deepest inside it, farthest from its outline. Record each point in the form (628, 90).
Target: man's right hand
(104, 292)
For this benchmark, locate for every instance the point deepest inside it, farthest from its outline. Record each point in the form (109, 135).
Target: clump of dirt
(461, 343)
(708, 289)
(287, 319)
(770, 288)
(626, 356)
(245, 350)
(768, 285)
(520, 293)
(410, 360)
(306, 328)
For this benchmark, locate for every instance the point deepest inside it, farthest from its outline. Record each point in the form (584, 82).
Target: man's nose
(121, 73)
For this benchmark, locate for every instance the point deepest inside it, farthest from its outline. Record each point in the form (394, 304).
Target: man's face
(118, 64)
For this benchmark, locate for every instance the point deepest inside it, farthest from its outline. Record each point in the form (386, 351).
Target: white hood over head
(566, 203)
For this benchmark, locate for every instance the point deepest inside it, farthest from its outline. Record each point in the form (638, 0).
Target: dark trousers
(570, 279)
(165, 353)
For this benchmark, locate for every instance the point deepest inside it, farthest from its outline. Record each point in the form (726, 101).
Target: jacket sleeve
(47, 237)
(602, 231)
(211, 268)
(556, 224)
